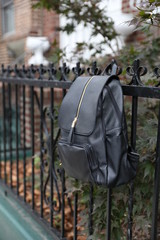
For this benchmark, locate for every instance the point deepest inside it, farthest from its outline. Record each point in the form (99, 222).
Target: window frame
(4, 4)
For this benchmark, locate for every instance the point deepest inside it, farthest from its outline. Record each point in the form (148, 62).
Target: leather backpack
(93, 145)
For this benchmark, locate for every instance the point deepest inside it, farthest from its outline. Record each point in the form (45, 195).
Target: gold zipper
(80, 103)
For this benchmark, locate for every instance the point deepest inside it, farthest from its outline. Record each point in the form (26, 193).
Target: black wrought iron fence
(37, 179)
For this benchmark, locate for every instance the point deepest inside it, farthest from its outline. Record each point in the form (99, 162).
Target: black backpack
(93, 146)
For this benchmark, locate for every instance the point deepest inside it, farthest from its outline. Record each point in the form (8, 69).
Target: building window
(7, 16)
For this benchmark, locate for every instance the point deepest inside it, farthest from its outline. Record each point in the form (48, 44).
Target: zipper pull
(74, 122)
(72, 130)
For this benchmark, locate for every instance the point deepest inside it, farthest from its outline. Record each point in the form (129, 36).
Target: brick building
(18, 21)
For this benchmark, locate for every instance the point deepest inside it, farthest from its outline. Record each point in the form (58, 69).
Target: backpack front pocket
(77, 160)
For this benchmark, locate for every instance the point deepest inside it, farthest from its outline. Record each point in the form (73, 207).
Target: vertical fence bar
(10, 130)
(90, 224)
(109, 206)
(155, 209)
(52, 154)
(63, 194)
(134, 121)
(24, 142)
(41, 150)
(17, 151)
(1, 150)
(32, 142)
(4, 131)
(133, 145)
(63, 203)
(75, 215)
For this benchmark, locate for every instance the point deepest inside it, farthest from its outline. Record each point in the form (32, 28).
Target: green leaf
(144, 15)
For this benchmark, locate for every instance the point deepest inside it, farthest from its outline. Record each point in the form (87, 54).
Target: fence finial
(78, 70)
(136, 71)
(64, 70)
(112, 69)
(94, 70)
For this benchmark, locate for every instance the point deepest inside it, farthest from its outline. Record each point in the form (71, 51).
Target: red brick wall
(126, 7)
(22, 13)
(22, 18)
(50, 24)
(136, 36)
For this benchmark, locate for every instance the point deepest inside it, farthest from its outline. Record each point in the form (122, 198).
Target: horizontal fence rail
(30, 98)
